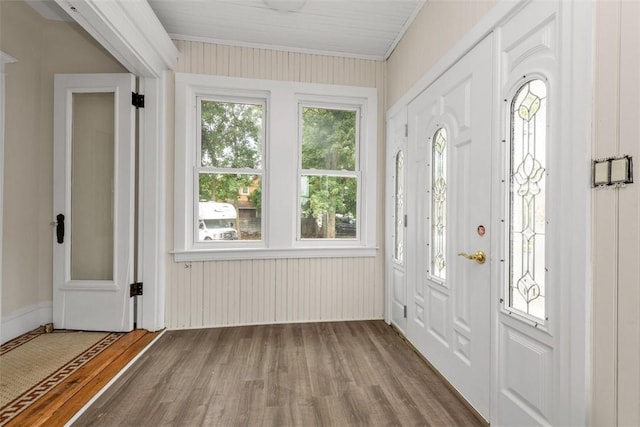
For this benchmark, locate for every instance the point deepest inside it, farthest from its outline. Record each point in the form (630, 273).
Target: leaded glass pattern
(439, 204)
(527, 196)
(398, 253)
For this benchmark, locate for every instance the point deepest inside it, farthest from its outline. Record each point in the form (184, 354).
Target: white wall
(41, 48)
(616, 218)
(218, 293)
(435, 30)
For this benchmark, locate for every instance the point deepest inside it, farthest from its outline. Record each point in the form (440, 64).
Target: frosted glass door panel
(92, 183)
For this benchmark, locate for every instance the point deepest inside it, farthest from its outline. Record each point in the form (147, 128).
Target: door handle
(60, 227)
(478, 257)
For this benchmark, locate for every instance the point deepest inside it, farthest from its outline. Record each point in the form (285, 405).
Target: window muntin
(230, 158)
(329, 178)
(438, 219)
(527, 196)
(398, 247)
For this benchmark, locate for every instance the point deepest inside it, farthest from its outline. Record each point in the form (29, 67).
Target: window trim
(281, 167)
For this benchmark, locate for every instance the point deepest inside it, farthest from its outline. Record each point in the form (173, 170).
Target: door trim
(124, 29)
(4, 60)
(497, 15)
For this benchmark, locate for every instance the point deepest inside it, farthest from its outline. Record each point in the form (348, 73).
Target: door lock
(478, 257)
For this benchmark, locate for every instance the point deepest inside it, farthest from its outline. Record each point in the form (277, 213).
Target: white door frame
(396, 141)
(131, 32)
(574, 327)
(4, 60)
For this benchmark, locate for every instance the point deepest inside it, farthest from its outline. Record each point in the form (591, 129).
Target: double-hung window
(229, 171)
(329, 177)
(273, 169)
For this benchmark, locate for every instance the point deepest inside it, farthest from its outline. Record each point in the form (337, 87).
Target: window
(271, 169)
(527, 209)
(230, 160)
(438, 190)
(329, 173)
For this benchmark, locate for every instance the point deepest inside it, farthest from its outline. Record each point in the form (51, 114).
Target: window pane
(328, 207)
(527, 195)
(92, 173)
(439, 204)
(398, 253)
(231, 135)
(328, 139)
(225, 212)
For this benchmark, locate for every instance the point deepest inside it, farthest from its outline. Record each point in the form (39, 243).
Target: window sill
(263, 253)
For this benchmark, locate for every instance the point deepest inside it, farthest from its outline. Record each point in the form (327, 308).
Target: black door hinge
(406, 130)
(137, 100)
(405, 311)
(405, 221)
(135, 289)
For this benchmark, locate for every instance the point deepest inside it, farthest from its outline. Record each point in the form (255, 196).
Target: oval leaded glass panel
(527, 199)
(438, 204)
(399, 208)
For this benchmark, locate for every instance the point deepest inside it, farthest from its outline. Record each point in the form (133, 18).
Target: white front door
(449, 160)
(396, 224)
(93, 201)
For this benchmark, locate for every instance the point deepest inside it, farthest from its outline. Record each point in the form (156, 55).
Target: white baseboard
(25, 319)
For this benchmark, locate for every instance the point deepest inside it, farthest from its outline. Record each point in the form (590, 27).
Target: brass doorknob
(478, 257)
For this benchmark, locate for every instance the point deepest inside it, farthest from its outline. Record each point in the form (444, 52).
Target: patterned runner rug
(34, 363)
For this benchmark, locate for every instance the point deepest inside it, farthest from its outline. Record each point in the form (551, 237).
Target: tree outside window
(329, 175)
(230, 170)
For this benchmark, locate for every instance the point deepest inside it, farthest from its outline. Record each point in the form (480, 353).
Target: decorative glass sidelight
(438, 204)
(398, 253)
(527, 199)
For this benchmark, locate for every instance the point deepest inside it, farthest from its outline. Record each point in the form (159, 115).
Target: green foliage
(256, 198)
(231, 137)
(328, 143)
(328, 139)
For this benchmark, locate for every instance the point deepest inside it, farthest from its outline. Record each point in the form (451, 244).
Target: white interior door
(396, 224)
(449, 156)
(93, 201)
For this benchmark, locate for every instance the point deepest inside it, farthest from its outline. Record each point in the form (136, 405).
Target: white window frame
(318, 103)
(281, 168)
(198, 168)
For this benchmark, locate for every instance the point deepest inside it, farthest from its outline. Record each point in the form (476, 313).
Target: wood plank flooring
(344, 373)
(61, 403)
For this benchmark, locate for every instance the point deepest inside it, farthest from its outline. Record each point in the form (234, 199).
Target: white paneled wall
(224, 293)
(616, 219)
(222, 60)
(221, 293)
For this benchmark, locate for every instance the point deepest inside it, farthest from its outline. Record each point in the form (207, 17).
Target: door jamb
(4, 60)
(125, 30)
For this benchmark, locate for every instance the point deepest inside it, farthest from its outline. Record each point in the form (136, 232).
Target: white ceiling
(360, 28)
(356, 28)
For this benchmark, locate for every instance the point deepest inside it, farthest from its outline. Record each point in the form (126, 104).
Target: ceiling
(355, 28)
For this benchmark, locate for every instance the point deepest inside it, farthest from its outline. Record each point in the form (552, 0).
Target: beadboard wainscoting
(233, 61)
(223, 293)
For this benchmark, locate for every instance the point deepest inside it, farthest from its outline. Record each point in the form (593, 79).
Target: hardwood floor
(60, 404)
(344, 373)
